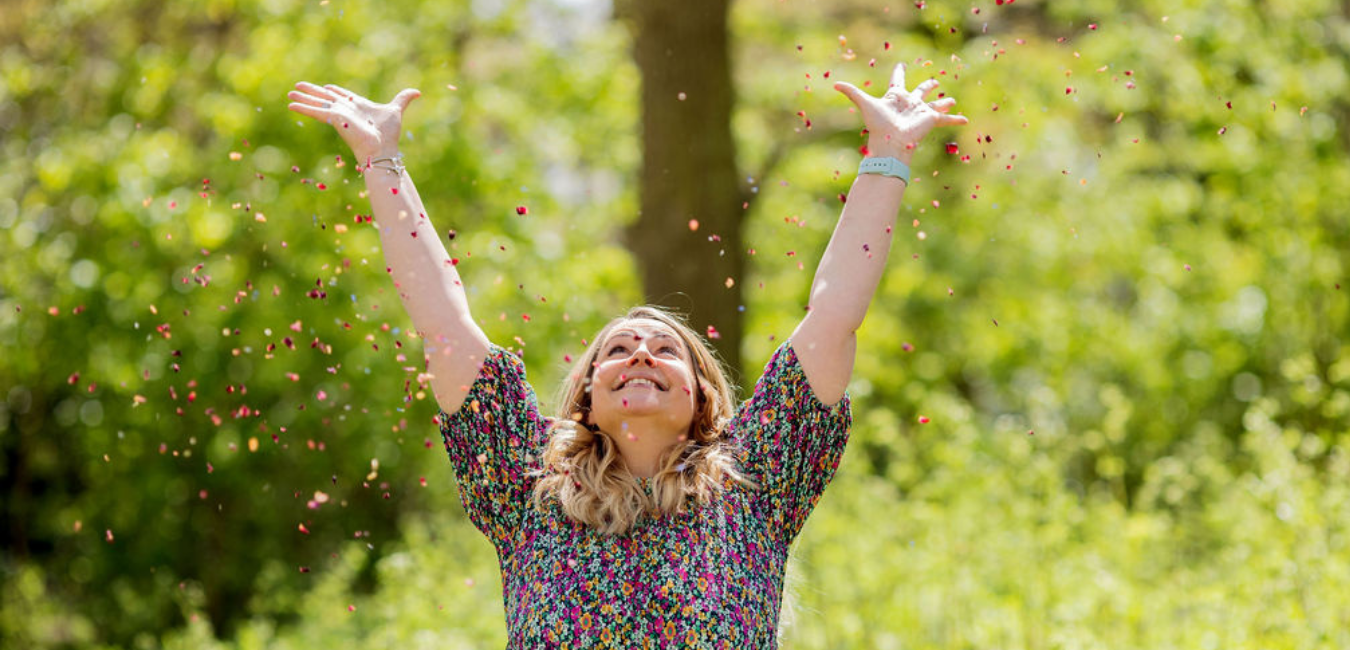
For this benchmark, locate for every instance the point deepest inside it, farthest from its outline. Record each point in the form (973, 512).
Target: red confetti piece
(713, 333)
(321, 186)
(393, 190)
(522, 210)
(952, 148)
(923, 419)
(303, 529)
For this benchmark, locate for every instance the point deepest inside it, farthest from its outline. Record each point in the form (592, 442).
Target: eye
(671, 349)
(616, 349)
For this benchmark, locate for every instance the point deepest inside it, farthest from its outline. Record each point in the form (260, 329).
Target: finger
(315, 90)
(943, 105)
(898, 77)
(925, 87)
(952, 120)
(320, 114)
(305, 98)
(340, 91)
(405, 97)
(858, 97)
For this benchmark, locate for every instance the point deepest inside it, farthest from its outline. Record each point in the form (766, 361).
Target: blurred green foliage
(1123, 314)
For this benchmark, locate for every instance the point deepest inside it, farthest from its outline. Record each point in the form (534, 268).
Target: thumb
(405, 97)
(858, 97)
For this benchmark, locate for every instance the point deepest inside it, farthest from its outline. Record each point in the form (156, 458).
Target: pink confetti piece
(522, 210)
(923, 419)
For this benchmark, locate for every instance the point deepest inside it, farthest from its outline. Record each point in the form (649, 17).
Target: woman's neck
(642, 451)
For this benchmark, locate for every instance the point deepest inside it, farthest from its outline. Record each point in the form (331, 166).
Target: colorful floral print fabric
(709, 578)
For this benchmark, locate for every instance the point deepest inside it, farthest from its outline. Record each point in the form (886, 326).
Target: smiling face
(643, 379)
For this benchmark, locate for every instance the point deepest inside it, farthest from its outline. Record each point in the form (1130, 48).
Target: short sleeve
(791, 442)
(493, 441)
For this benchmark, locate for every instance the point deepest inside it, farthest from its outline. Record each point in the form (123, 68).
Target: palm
(370, 129)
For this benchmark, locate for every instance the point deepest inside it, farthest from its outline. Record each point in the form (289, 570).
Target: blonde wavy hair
(581, 466)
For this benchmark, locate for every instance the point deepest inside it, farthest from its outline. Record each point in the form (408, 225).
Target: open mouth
(644, 383)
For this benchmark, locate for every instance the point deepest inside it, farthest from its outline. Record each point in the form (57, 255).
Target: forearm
(423, 272)
(855, 258)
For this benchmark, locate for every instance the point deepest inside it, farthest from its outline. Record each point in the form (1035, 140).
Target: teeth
(640, 382)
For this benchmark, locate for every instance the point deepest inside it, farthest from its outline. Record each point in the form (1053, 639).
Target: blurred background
(1116, 296)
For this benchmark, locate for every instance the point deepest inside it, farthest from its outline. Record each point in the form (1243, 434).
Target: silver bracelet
(395, 167)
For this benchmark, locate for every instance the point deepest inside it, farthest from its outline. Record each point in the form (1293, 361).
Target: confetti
(522, 210)
(923, 419)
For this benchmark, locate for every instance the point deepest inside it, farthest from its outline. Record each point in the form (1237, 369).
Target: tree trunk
(689, 167)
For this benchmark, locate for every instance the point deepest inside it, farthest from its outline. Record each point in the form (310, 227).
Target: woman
(650, 512)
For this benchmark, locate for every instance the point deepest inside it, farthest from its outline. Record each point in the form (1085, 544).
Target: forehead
(643, 327)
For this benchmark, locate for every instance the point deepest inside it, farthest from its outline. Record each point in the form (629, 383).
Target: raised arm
(849, 271)
(423, 272)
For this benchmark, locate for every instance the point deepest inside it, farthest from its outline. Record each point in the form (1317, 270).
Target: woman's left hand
(899, 119)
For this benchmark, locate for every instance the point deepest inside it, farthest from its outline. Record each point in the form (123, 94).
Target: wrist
(389, 161)
(902, 152)
(374, 154)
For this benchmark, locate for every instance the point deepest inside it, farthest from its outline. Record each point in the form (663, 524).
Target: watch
(886, 167)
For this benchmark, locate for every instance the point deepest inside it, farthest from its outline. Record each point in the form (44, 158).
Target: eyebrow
(632, 334)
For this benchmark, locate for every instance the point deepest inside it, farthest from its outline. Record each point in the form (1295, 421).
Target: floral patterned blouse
(709, 578)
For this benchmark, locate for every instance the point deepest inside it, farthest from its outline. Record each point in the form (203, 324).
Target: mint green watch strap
(885, 167)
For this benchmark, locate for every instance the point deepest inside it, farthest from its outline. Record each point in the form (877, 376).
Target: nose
(642, 356)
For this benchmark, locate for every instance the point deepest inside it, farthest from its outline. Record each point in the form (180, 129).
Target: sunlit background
(1118, 299)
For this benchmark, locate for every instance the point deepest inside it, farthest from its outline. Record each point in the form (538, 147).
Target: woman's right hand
(371, 130)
